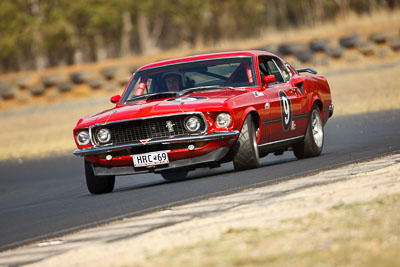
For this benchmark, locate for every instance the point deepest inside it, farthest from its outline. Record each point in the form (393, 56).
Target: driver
(173, 82)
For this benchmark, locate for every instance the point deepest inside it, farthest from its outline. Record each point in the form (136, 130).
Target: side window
(274, 66)
(286, 74)
(274, 70)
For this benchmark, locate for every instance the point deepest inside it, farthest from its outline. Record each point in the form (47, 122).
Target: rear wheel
(313, 141)
(98, 184)
(245, 149)
(175, 175)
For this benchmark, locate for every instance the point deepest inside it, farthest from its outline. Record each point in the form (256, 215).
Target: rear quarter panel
(318, 89)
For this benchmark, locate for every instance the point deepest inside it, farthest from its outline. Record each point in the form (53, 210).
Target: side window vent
(301, 87)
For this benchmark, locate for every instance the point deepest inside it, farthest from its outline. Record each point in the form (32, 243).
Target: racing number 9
(286, 107)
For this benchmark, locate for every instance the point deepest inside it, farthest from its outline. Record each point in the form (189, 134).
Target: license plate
(150, 159)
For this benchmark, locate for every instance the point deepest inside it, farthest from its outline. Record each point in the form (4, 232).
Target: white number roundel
(286, 107)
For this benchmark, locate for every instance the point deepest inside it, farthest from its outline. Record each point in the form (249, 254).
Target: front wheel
(98, 184)
(313, 141)
(246, 149)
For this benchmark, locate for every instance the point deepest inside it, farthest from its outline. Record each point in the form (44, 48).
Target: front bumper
(205, 137)
(204, 160)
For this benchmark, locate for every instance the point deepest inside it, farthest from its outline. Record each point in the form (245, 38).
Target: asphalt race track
(43, 198)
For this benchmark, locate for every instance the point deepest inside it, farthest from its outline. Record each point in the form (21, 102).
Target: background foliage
(35, 34)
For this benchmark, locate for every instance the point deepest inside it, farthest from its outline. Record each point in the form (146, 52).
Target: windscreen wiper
(153, 96)
(202, 88)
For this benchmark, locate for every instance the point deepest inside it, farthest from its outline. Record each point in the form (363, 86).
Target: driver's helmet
(180, 76)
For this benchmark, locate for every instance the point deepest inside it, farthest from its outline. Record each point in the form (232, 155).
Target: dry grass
(47, 132)
(363, 234)
(365, 91)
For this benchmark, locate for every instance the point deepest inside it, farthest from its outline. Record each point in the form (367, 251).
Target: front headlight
(103, 135)
(192, 124)
(223, 120)
(83, 138)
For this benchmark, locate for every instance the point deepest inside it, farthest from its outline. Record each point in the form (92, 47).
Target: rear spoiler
(309, 70)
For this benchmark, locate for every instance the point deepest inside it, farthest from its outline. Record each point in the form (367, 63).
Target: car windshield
(189, 77)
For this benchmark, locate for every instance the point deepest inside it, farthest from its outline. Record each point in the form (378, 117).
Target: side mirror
(268, 79)
(115, 99)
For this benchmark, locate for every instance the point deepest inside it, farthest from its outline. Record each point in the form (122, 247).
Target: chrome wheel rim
(257, 132)
(317, 131)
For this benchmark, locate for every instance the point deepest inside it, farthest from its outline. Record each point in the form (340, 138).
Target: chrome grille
(153, 128)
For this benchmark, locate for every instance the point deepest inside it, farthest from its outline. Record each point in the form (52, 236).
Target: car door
(285, 103)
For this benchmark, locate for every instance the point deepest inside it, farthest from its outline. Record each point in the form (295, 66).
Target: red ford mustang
(201, 111)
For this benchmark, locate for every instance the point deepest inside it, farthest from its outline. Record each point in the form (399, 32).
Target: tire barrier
(381, 37)
(291, 48)
(7, 90)
(395, 43)
(110, 73)
(51, 79)
(96, 83)
(24, 81)
(351, 41)
(304, 56)
(366, 48)
(65, 86)
(317, 52)
(319, 45)
(80, 77)
(334, 51)
(37, 89)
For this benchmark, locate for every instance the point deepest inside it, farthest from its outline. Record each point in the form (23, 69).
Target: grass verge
(362, 234)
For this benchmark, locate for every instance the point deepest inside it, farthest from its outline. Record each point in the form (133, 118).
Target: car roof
(250, 53)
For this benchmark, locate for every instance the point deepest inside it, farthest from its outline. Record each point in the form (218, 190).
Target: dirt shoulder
(233, 229)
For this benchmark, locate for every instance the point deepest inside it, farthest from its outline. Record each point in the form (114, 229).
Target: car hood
(194, 102)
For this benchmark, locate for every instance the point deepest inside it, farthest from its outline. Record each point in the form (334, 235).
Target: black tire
(96, 83)
(395, 43)
(304, 56)
(366, 48)
(351, 41)
(381, 37)
(245, 154)
(334, 51)
(175, 175)
(110, 73)
(98, 184)
(80, 77)
(64, 87)
(7, 90)
(291, 48)
(51, 79)
(37, 90)
(319, 45)
(313, 141)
